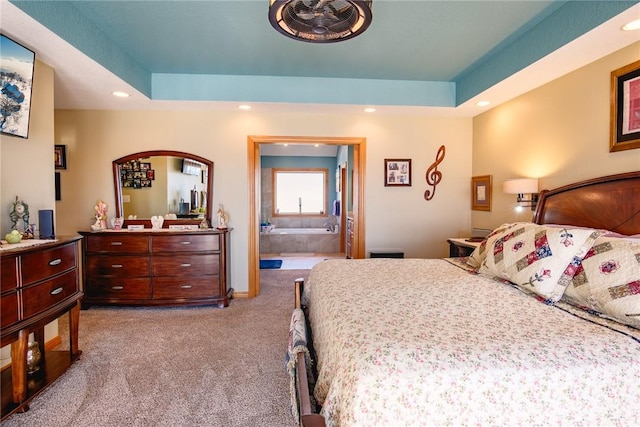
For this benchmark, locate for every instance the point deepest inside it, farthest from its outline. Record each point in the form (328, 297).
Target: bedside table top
(463, 241)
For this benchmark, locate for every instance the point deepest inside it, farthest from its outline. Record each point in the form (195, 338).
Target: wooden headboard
(610, 202)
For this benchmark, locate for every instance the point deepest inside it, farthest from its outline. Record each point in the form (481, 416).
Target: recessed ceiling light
(369, 110)
(483, 103)
(120, 94)
(633, 25)
(244, 107)
(316, 145)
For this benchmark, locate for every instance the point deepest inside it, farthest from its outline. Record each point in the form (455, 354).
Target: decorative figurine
(19, 212)
(101, 216)
(157, 221)
(30, 232)
(222, 219)
(116, 223)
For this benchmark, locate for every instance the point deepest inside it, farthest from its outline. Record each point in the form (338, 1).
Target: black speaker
(45, 218)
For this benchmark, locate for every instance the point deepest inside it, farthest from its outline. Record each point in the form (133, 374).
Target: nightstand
(461, 246)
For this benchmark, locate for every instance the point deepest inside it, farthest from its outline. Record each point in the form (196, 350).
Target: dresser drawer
(9, 314)
(117, 266)
(186, 265)
(185, 243)
(117, 243)
(39, 297)
(186, 287)
(120, 288)
(42, 264)
(9, 273)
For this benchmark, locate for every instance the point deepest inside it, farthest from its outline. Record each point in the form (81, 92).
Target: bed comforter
(414, 342)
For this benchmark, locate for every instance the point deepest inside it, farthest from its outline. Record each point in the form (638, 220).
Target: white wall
(558, 133)
(395, 217)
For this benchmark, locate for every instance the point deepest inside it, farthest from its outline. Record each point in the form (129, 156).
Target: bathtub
(299, 240)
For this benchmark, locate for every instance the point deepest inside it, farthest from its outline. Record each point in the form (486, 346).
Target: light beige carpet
(198, 366)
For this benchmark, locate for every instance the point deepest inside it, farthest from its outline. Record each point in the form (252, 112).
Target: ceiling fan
(320, 21)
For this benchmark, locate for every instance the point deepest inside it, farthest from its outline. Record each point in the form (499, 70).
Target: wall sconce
(521, 187)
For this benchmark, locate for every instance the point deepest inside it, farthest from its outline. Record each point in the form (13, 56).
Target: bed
(540, 326)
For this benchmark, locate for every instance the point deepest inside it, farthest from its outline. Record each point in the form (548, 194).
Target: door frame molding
(254, 172)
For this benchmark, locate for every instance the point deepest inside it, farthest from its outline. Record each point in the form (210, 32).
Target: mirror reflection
(171, 184)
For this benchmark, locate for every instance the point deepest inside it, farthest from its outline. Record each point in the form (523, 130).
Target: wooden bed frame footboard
(307, 417)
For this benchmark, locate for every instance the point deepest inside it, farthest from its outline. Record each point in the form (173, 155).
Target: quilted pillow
(608, 279)
(538, 258)
(480, 253)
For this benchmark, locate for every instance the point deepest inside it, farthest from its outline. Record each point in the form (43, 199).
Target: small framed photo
(151, 174)
(397, 172)
(481, 193)
(60, 156)
(145, 166)
(625, 108)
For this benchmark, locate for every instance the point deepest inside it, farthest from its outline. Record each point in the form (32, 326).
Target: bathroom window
(299, 191)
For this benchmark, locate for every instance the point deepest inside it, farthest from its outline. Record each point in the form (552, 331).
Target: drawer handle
(117, 288)
(116, 265)
(56, 291)
(185, 243)
(185, 286)
(55, 262)
(185, 265)
(116, 243)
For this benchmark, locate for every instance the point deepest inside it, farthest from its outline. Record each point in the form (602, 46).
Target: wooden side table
(461, 246)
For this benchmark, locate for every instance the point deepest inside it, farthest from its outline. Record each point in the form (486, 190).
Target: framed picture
(16, 80)
(57, 183)
(151, 174)
(60, 156)
(481, 193)
(397, 172)
(145, 166)
(625, 108)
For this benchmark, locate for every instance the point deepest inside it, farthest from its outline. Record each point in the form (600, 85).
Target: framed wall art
(16, 80)
(397, 172)
(57, 184)
(481, 193)
(625, 108)
(60, 156)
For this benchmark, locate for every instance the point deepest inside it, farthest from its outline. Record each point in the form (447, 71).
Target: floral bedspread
(421, 342)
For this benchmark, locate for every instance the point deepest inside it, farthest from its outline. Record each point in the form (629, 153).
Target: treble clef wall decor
(433, 175)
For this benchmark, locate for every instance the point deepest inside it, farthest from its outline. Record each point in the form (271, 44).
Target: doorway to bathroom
(354, 175)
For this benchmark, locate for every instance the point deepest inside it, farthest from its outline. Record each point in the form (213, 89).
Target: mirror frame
(117, 185)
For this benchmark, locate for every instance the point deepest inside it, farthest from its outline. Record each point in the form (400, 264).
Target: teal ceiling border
(567, 23)
(313, 90)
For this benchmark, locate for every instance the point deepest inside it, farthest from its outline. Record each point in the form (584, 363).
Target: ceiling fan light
(320, 21)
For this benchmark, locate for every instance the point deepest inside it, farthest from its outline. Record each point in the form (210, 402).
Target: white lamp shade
(520, 186)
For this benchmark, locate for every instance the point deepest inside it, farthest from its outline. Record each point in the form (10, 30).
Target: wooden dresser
(156, 267)
(39, 284)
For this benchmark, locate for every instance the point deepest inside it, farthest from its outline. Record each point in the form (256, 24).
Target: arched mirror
(163, 182)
